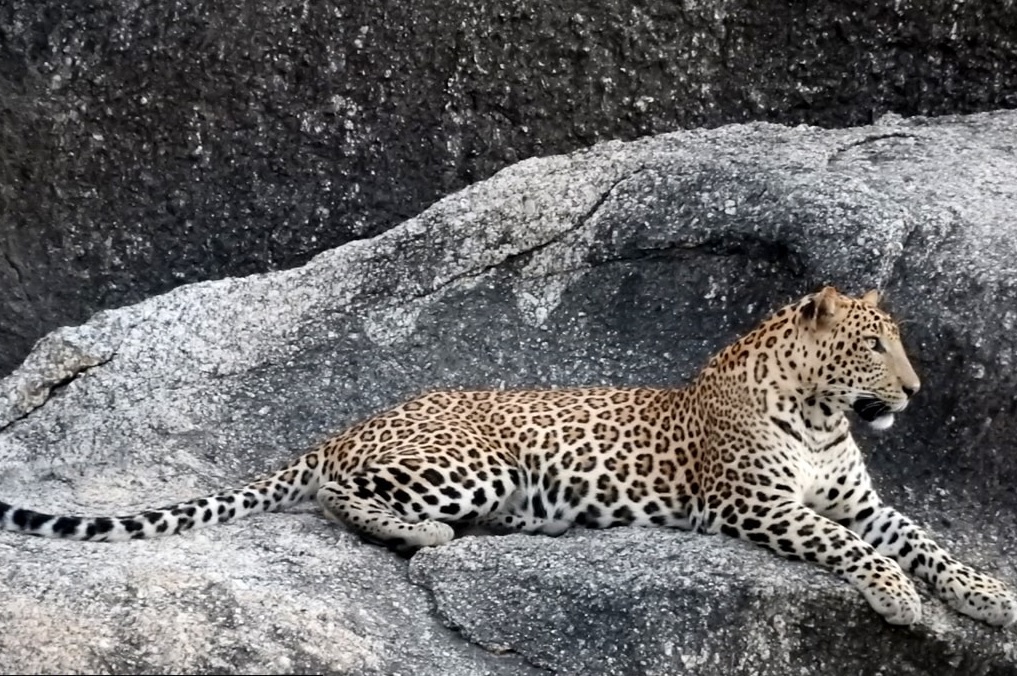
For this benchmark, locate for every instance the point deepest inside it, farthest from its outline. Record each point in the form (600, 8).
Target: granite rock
(627, 263)
(150, 144)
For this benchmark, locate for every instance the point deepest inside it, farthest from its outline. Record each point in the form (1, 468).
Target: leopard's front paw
(892, 595)
(980, 596)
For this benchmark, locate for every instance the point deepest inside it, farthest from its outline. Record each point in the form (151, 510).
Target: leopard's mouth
(870, 408)
(874, 411)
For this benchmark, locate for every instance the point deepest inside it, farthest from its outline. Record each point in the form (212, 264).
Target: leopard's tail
(297, 482)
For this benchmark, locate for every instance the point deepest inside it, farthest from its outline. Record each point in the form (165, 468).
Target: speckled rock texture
(627, 602)
(149, 144)
(628, 263)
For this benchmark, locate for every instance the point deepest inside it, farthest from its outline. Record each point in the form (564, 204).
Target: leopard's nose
(910, 390)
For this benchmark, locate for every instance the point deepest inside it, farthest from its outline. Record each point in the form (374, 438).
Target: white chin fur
(883, 422)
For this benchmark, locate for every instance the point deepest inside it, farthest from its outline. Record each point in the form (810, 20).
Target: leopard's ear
(871, 298)
(822, 310)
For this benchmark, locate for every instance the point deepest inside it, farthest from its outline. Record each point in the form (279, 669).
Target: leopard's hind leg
(376, 519)
(408, 500)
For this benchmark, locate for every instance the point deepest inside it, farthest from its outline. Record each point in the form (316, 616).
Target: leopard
(758, 446)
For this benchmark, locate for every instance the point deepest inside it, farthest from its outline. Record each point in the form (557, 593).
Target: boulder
(149, 144)
(668, 602)
(627, 263)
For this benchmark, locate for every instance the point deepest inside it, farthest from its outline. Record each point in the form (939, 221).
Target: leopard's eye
(875, 344)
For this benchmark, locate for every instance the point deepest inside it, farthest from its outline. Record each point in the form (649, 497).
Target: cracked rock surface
(622, 264)
(150, 144)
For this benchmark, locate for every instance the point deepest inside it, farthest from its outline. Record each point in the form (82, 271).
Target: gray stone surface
(148, 144)
(626, 601)
(625, 263)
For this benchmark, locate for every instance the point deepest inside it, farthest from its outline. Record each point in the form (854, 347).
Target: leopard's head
(856, 358)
